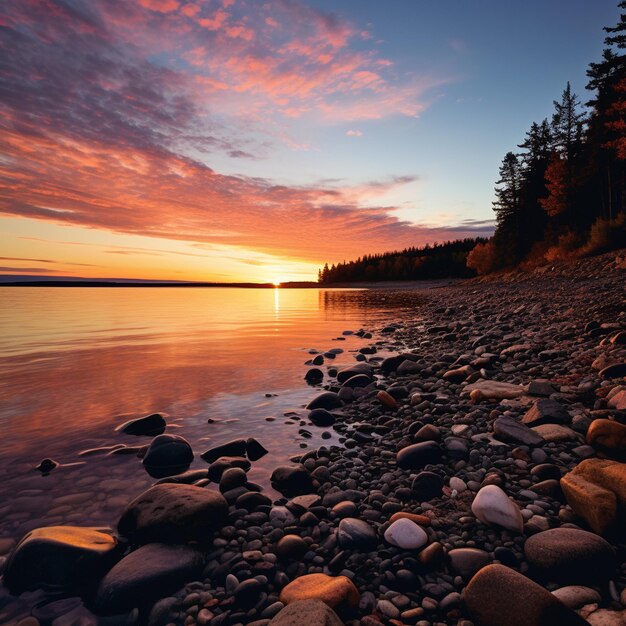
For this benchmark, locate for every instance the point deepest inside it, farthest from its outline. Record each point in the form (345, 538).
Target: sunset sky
(230, 140)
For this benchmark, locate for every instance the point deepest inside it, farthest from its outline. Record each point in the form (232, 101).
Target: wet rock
(617, 370)
(232, 478)
(217, 468)
(59, 558)
(292, 480)
(406, 534)
(254, 449)
(546, 411)
(46, 466)
(419, 455)
(236, 447)
(492, 506)
(167, 455)
(314, 375)
(149, 425)
(310, 612)
(355, 534)
(360, 380)
(252, 500)
(327, 400)
(387, 400)
(570, 556)
(497, 595)
(355, 370)
(426, 486)
(321, 417)
(148, 573)
(339, 593)
(172, 513)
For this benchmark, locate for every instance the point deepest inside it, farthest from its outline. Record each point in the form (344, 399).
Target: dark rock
(467, 561)
(247, 592)
(46, 466)
(149, 425)
(167, 455)
(355, 534)
(314, 375)
(321, 417)
(613, 371)
(145, 575)
(360, 380)
(172, 513)
(419, 455)
(291, 547)
(237, 447)
(232, 478)
(570, 556)
(254, 449)
(510, 430)
(217, 468)
(546, 411)
(252, 500)
(498, 595)
(327, 400)
(292, 480)
(426, 486)
(59, 558)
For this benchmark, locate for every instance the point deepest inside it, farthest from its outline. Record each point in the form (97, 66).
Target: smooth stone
(338, 592)
(493, 390)
(555, 432)
(149, 425)
(314, 375)
(309, 612)
(252, 500)
(292, 480)
(546, 411)
(570, 556)
(618, 401)
(360, 380)
(150, 572)
(492, 506)
(419, 455)
(321, 417)
(609, 437)
(167, 455)
(254, 449)
(605, 617)
(217, 468)
(408, 367)
(291, 547)
(426, 486)
(281, 516)
(576, 596)
(406, 534)
(618, 370)
(173, 513)
(498, 596)
(232, 478)
(59, 558)
(467, 561)
(236, 447)
(594, 503)
(326, 400)
(421, 520)
(509, 430)
(355, 534)
(387, 400)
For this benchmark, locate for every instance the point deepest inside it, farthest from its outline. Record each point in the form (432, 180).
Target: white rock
(492, 506)
(575, 596)
(406, 534)
(458, 484)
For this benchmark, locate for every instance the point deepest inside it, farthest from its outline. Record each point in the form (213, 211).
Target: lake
(219, 363)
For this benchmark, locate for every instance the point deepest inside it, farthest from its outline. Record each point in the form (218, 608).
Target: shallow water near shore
(75, 363)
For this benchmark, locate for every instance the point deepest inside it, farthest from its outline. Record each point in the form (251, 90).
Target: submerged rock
(153, 424)
(167, 455)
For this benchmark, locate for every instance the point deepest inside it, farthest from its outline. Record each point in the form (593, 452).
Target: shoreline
(393, 516)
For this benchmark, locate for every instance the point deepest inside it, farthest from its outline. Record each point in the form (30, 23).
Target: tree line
(440, 260)
(563, 193)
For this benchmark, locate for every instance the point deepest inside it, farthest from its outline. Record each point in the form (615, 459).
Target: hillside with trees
(562, 194)
(445, 260)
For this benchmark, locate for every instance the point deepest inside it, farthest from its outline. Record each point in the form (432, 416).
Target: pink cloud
(162, 6)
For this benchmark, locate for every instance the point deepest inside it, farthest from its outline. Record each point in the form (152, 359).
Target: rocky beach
(479, 477)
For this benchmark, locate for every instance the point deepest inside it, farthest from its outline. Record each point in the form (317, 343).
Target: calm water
(75, 363)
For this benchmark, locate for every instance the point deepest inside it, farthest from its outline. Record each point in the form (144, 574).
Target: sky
(243, 140)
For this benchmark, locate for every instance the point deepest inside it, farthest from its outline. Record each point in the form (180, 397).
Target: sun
(276, 283)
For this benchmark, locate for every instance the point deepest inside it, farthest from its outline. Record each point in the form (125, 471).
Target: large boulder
(311, 612)
(59, 558)
(570, 556)
(168, 455)
(492, 506)
(173, 513)
(419, 455)
(149, 425)
(338, 592)
(145, 575)
(498, 595)
(292, 480)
